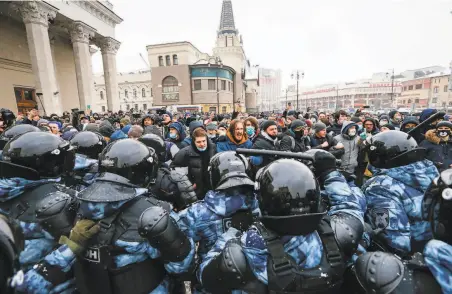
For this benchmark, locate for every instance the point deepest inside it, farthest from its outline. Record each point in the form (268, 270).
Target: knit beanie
(319, 127)
(268, 123)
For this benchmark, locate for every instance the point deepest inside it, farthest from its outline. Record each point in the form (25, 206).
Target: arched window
(126, 94)
(168, 60)
(101, 95)
(170, 89)
(175, 60)
(135, 93)
(161, 61)
(143, 92)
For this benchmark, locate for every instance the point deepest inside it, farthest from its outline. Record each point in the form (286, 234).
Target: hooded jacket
(181, 131)
(394, 205)
(191, 128)
(375, 130)
(408, 120)
(438, 151)
(349, 161)
(227, 143)
(197, 164)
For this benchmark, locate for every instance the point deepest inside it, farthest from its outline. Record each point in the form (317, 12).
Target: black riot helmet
(130, 159)
(156, 143)
(289, 198)
(88, 143)
(437, 206)
(45, 153)
(228, 169)
(14, 131)
(393, 149)
(7, 116)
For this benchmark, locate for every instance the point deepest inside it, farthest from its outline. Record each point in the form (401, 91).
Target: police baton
(436, 116)
(285, 154)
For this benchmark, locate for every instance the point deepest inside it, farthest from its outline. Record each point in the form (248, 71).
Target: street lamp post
(297, 74)
(337, 95)
(392, 85)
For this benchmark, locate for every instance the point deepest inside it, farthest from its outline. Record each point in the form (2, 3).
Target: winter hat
(153, 130)
(69, 134)
(106, 129)
(392, 113)
(444, 124)
(169, 113)
(223, 125)
(309, 123)
(92, 128)
(124, 121)
(446, 117)
(319, 127)
(296, 124)
(426, 113)
(194, 125)
(268, 123)
(211, 127)
(384, 117)
(355, 119)
(388, 126)
(42, 121)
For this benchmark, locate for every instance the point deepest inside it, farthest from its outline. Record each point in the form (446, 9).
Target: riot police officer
(88, 145)
(295, 247)
(231, 203)
(165, 150)
(125, 242)
(14, 131)
(32, 166)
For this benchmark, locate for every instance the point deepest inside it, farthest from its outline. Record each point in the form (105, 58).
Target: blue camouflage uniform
(394, 204)
(87, 169)
(63, 258)
(38, 242)
(438, 257)
(306, 250)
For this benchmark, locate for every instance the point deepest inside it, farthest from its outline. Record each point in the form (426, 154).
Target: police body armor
(285, 276)
(96, 271)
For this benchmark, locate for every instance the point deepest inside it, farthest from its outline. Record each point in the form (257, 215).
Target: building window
(175, 60)
(445, 88)
(212, 85)
(409, 101)
(212, 109)
(119, 94)
(136, 107)
(151, 92)
(416, 100)
(435, 90)
(410, 88)
(25, 99)
(229, 86)
(145, 107)
(126, 94)
(223, 109)
(135, 93)
(223, 85)
(103, 108)
(101, 95)
(143, 92)
(170, 91)
(127, 107)
(197, 85)
(418, 86)
(168, 60)
(434, 100)
(404, 88)
(161, 61)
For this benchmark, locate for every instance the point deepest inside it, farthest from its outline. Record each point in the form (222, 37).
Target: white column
(80, 35)
(36, 16)
(96, 107)
(109, 47)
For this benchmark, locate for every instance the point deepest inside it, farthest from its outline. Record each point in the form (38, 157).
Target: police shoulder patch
(380, 217)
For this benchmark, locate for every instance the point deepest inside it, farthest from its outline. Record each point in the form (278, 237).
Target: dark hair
(339, 113)
(253, 121)
(234, 124)
(199, 132)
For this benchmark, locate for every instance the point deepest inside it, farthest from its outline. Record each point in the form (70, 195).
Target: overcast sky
(330, 40)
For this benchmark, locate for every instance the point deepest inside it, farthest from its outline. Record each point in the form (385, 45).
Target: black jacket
(316, 142)
(197, 163)
(439, 152)
(299, 145)
(264, 142)
(335, 128)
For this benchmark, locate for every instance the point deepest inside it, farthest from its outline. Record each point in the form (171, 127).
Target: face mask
(360, 127)
(444, 133)
(352, 133)
(299, 134)
(250, 131)
(173, 135)
(313, 120)
(201, 149)
(408, 129)
(221, 133)
(383, 122)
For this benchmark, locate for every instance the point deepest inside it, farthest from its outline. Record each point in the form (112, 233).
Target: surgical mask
(383, 122)
(173, 135)
(201, 149)
(443, 133)
(360, 127)
(250, 131)
(313, 120)
(352, 133)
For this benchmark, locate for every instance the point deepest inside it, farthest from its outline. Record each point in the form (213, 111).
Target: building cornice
(163, 45)
(101, 11)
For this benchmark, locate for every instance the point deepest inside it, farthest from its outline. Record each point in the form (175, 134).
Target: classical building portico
(56, 74)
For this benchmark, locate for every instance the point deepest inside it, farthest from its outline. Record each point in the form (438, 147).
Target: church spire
(227, 23)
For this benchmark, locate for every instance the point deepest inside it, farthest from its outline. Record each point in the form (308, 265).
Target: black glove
(324, 163)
